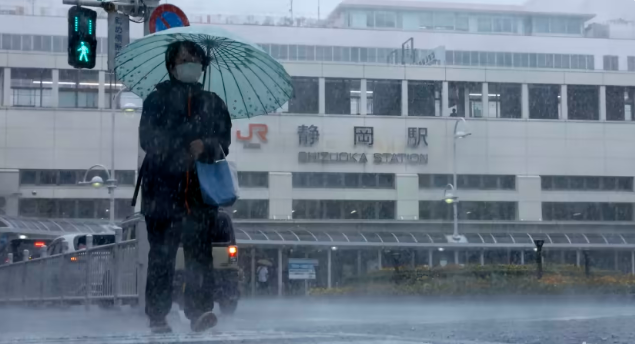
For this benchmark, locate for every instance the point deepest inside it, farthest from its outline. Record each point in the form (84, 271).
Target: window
(324, 53)
(631, 63)
(470, 211)
(384, 97)
(426, 21)
(343, 96)
(73, 208)
(541, 25)
(343, 180)
(305, 98)
(125, 177)
(484, 24)
(505, 100)
(544, 101)
(31, 87)
(250, 209)
(444, 21)
(619, 103)
(585, 211)
(343, 210)
(424, 98)
(579, 183)
(253, 179)
(385, 19)
(78, 88)
(70, 177)
(462, 22)
(611, 62)
(469, 181)
(583, 102)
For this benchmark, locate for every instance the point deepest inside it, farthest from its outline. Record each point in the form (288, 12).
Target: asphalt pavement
(527, 320)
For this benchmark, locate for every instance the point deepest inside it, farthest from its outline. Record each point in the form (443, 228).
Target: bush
(484, 280)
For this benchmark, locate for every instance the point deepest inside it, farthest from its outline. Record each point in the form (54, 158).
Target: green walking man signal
(82, 37)
(83, 52)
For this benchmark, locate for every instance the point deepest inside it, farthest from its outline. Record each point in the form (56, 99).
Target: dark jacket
(174, 115)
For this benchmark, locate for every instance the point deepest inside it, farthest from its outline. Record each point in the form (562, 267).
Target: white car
(70, 243)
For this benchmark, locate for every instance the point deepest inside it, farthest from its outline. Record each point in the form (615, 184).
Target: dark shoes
(203, 323)
(160, 326)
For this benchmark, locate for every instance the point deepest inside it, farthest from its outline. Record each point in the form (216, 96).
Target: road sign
(302, 269)
(82, 37)
(118, 36)
(167, 16)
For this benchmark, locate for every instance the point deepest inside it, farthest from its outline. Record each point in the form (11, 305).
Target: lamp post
(111, 182)
(458, 134)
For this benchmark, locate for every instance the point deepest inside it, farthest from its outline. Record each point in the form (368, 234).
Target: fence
(105, 275)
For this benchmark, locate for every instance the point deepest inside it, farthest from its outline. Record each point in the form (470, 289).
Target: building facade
(368, 143)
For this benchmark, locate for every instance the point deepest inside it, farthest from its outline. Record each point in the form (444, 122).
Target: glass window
(343, 96)
(334, 180)
(385, 19)
(574, 26)
(6, 41)
(324, 53)
(384, 97)
(28, 207)
(293, 52)
(462, 22)
(28, 177)
(31, 87)
(426, 21)
(16, 42)
(27, 42)
(611, 62)
(484, 24)
(70, 177)
(126, 177)
(541, 25)
(305, 98)
(631, 63)
(444, 20)
(584, 211)
(86, 209)
(352, 180)
(261, 179)
(544, 102)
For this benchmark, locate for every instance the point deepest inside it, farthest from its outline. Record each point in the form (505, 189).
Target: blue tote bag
(219, 182)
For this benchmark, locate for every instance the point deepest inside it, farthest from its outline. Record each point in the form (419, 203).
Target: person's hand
(197, 148)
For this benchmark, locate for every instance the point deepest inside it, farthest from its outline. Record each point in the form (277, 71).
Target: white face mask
(189, 72)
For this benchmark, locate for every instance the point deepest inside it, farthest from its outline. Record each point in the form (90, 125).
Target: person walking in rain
(181, 123)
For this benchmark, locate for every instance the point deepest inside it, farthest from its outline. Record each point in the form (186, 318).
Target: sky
(277, 8)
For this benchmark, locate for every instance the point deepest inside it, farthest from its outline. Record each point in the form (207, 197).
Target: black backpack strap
(139, 178)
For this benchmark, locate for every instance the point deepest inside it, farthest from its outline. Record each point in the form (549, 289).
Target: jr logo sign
(260, 130)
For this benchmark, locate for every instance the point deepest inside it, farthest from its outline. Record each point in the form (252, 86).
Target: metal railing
(106, 275)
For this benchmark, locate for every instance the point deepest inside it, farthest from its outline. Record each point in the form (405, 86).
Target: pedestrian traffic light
(82, 37)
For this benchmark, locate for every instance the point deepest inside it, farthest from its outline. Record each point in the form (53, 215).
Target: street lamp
(111, 182)
(458, 134)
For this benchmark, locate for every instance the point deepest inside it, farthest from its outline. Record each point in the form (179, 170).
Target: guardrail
(104, 275)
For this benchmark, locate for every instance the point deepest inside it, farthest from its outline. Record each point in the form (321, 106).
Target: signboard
(167, 16)
(432, 57)
(302, 269)
(118, 36)
(257, 134)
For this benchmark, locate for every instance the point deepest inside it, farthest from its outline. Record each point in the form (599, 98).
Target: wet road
(554, 320)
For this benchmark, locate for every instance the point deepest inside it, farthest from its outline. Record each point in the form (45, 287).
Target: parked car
(17, 247)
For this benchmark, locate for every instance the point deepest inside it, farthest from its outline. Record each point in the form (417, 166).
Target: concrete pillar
(404, 97)
(445, 99)
(407, 186)
(430, 261)
(363, 102)
(101, 92)
(55, 91)
(379, 260)
(564, 104)
(482, 257)
(359, 263)
(530, 198)
(602, 112)
(253, 272)
(466, 102)
(522, 257)
(413, 261)
(485, 100)
(329, 267)
(577, 258)
(280, 272)
(524, 94)
(322, 96)
(456, 257)
(7, 91)
(437, 104)
(280, 202)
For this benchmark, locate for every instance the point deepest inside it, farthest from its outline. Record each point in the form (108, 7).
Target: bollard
(43, 251)
(10, 258)
(25, 255)
(539, 244)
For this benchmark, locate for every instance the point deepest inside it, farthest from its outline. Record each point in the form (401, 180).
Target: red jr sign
(259, 130)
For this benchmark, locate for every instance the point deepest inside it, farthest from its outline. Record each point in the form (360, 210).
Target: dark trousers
(195, 232)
